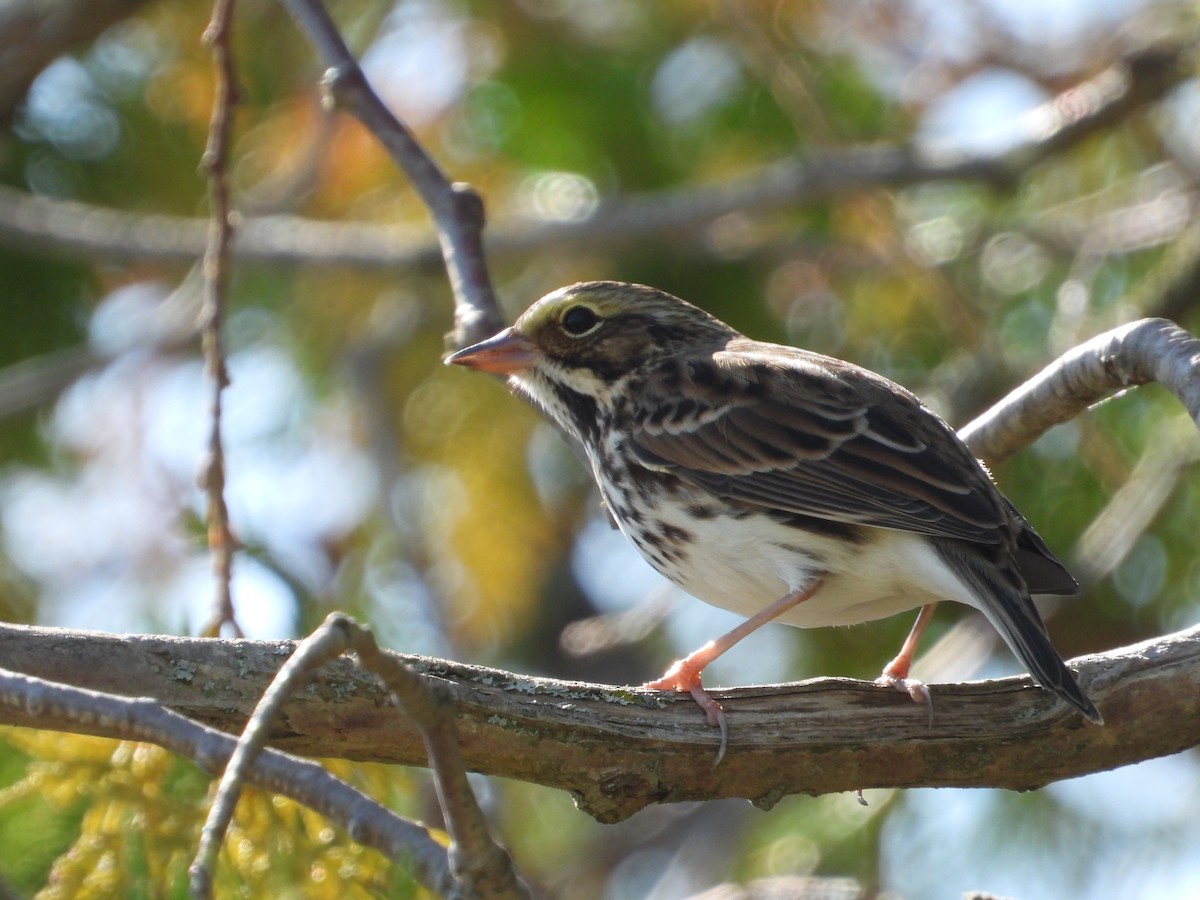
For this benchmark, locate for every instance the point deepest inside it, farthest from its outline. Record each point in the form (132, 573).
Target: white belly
(898, 572)
(747, 565)
(744, 565)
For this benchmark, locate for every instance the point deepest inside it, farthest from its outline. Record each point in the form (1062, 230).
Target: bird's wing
(809, 435)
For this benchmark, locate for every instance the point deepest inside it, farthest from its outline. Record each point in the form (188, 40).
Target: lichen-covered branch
(618, 750)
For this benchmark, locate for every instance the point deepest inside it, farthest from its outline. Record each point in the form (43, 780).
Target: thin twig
(221, 541)
(314, 651)
(475, 858)
(457, 209)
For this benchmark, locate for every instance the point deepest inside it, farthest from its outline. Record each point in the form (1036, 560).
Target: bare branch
(221, 542)
(476, 858)
(457, 209)
(36, 700)
(318, 648)
(1138, 353)
(45, 225)
(619, 749)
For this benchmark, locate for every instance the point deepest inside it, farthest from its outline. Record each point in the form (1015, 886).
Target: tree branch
(215, 268)
(42, 224)
(1138, 353)
(478, 864)
(618, 750)
(482, 866)
(457, 209)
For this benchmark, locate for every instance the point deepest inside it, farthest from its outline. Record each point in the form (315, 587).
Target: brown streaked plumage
(774, 481)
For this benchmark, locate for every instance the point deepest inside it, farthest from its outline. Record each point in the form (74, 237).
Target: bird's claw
(685, 678)
(915, 688)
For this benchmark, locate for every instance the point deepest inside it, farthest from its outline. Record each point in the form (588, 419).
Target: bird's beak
(506, 353)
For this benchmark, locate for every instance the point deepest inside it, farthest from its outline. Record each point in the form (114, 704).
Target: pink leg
(895, 673)
(684, 675)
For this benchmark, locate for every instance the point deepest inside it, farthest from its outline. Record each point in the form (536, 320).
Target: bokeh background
(365, 476)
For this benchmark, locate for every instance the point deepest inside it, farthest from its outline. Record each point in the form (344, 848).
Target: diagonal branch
(1141, 352)
(457, 209)
(479, 865)
(476, 859)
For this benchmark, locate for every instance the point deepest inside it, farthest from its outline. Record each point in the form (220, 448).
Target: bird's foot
(913, 687)
(684, 676)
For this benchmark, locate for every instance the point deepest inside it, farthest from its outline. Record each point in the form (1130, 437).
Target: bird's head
(589, 336)
(574, 350)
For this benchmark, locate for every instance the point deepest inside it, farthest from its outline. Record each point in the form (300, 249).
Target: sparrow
(777, 482)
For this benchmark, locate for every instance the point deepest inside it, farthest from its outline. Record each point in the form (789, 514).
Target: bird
(777, 482)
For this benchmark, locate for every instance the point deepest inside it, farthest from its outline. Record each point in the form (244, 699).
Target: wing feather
(814, 436)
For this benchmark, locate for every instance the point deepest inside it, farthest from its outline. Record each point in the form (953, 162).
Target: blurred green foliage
(90, 817)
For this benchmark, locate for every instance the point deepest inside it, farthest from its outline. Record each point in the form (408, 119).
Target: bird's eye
(580, 320)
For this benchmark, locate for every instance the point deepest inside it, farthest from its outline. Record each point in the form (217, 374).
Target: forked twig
(478, 864)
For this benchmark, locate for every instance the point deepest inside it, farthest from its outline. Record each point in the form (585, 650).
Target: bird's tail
(1006, 603)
